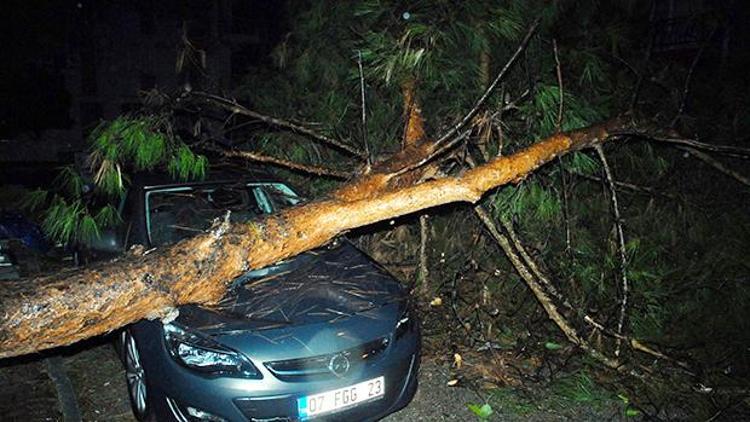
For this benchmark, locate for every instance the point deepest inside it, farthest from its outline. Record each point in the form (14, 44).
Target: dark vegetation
(684, 220)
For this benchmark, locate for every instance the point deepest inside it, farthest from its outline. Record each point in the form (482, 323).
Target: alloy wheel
(136, 376)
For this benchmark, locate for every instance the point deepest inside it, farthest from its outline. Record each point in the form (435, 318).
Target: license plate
(331, 401)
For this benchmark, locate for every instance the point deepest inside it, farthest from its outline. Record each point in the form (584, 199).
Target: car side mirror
(109, 241)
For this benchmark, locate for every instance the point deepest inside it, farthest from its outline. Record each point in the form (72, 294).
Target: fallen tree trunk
(61, 309)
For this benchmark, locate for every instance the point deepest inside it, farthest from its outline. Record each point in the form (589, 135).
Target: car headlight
(205, 355)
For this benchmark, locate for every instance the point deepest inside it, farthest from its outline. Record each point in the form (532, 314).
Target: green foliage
(140, 143)
(83, 205)
(582, 163)
(107, 216)
(511, 401)
(408, 58)
(62, 219)
(185, 164)
(483, 412)
(592, 69)
(581, 388)
(551, 345)
(34, 200)
(630, 411)
(572, 397)
(69, 181)
(507, 23)
(545, 107)
(675, 249)
(530, 199)
(109, 178)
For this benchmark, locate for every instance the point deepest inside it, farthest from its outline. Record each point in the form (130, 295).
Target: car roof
(152, 180)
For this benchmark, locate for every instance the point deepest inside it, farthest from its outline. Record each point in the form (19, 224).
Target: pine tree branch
(236, 108)
(566, 206)
(646, 190)
(692, 143)
(659, 136)
(62, 308)
(716, 164)
(544, 298)
(621, 246)
(688, 79)
(305, 168)
(414, 131)
(531, 264)
(558, 68)
(434, 154)
(544, 281)
(558, 125)
(365, 143)
(500, 76)
(423, 272)
(546, 293)
(635, 344)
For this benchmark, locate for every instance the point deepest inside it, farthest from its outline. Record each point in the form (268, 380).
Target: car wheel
(118, 344)
(136, 378)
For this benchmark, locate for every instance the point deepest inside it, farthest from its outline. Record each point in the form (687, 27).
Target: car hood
(323, 285)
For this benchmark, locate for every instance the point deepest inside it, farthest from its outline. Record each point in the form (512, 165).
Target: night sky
(40, 39)
(31, 86)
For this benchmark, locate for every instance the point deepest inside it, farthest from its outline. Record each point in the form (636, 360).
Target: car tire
(135, 377)
(118, 344)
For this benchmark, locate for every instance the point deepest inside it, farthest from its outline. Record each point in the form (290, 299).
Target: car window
(176, 213)
(277, 195)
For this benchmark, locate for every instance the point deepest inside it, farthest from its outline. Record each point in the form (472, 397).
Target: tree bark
(63, 308)
(414, 128)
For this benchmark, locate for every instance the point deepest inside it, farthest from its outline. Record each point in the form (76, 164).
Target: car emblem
(339, 365)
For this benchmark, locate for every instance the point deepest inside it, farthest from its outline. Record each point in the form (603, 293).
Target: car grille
(318, 367)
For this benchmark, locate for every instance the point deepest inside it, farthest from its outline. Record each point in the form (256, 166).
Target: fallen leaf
(437, 301)
(483, 412)
(631, 412)
(550, 345)
(458, 360)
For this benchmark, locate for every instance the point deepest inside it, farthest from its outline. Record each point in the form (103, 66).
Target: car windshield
(175, 213)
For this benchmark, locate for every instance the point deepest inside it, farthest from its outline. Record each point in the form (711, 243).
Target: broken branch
(483, 99)
(364, 108)
(620, 245)
(558, 68)
(423, 271)
(692, 143)
(235, 107)
(543, 297)
(646, 190)
(717, 165)
(305, 168)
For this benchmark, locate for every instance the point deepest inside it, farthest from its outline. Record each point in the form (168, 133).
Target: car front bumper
(173, 388)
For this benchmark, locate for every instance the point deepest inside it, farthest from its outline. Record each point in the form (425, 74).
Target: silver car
(326, 335)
